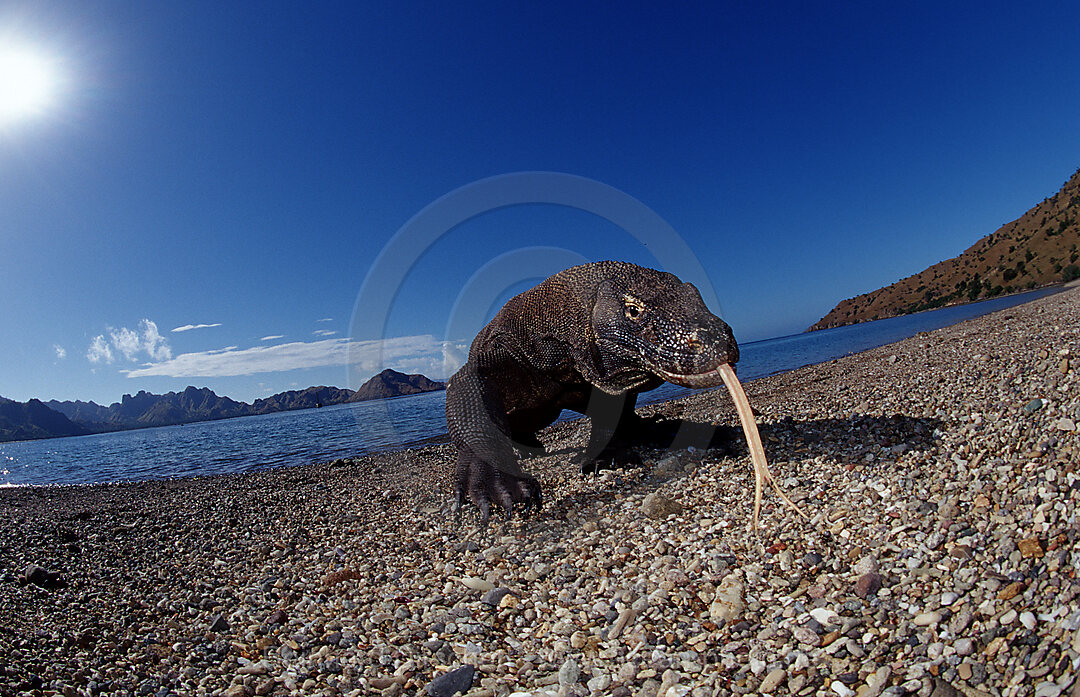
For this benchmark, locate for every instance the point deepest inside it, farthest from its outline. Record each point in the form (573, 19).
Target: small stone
(1028, 620)
(825, 616)
(1030, 548)
(656, 506)
(383, 683)
(237, 691)
(961, 552)
(599, 683)
(996, 645)
(927, 619)
(806, 636)
(875, 682)
(449, 684)
(218, 624)
(943, 689)
(1048, 688)
(867, 565)
(728, 603)
(828, 639)
(477, 584)
(569, 672)
(773, 680)
(494, 596)
(278, 616)
(964, 671)
(1012, 590)
(964, 647)
(960, 621)
(1033, 406)
(624, 618)
(868, 584)
(842, 689)
(948, 510)
(41, 577)
(1065, 424)
(1008, 618)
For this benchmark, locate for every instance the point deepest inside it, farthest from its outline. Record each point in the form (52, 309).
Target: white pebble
(477, 584)
(842, 689)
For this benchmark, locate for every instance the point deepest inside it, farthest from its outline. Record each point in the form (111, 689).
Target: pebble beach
(940, 556)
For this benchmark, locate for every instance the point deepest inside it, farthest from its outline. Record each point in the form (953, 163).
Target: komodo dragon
(588, 339)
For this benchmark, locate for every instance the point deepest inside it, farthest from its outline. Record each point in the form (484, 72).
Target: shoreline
(940, 554)
(1059, 285)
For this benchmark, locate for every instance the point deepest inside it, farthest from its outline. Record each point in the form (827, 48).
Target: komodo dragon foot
(485, 486)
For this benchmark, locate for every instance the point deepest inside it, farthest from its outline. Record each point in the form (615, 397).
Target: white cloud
(411, 352)
(325, 319)
(324, 332)
(189, 327)
(99, 351)
(61, 352)
(272, 337)
(129, 343)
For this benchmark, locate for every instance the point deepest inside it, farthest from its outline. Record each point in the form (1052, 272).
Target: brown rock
(960, 552)
(1012, 590)
(1030, 548)
(335, 577)
(656, 506)
(868, 584)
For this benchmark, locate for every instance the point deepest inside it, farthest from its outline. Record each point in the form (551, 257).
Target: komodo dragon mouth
(709, 378)
(725, 373)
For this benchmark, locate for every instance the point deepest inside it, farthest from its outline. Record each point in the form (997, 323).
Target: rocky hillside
(1037, 249)
(309, 398)
(29, 420)
(390, 383)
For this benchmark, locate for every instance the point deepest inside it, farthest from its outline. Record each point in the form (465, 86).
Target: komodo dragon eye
(633, 309)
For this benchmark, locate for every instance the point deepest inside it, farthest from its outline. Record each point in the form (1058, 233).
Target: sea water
(300, 437)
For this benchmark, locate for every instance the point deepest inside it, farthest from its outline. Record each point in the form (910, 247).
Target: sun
(28, 84)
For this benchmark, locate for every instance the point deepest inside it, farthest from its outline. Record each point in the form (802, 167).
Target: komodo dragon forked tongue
(753, 440)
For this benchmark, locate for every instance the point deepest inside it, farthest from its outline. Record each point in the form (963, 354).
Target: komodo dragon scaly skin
(588, 339)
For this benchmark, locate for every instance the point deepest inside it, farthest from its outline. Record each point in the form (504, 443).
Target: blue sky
(242, 165)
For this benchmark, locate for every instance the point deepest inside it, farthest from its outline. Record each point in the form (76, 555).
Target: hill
(1037, 249)
(34, 419)
(390, 383)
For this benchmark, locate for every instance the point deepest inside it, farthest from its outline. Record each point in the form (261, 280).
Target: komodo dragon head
(653, 321)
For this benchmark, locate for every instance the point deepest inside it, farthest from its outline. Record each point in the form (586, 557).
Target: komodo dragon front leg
(487, 466)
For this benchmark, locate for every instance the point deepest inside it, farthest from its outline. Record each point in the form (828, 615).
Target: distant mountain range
(1037, 249)
(36, 419)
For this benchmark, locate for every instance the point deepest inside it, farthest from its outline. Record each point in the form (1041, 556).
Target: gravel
(940, 474)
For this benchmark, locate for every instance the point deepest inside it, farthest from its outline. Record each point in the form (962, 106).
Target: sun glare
(27, 84)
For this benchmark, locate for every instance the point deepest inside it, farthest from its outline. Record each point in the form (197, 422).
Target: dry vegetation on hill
(1037, 249)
